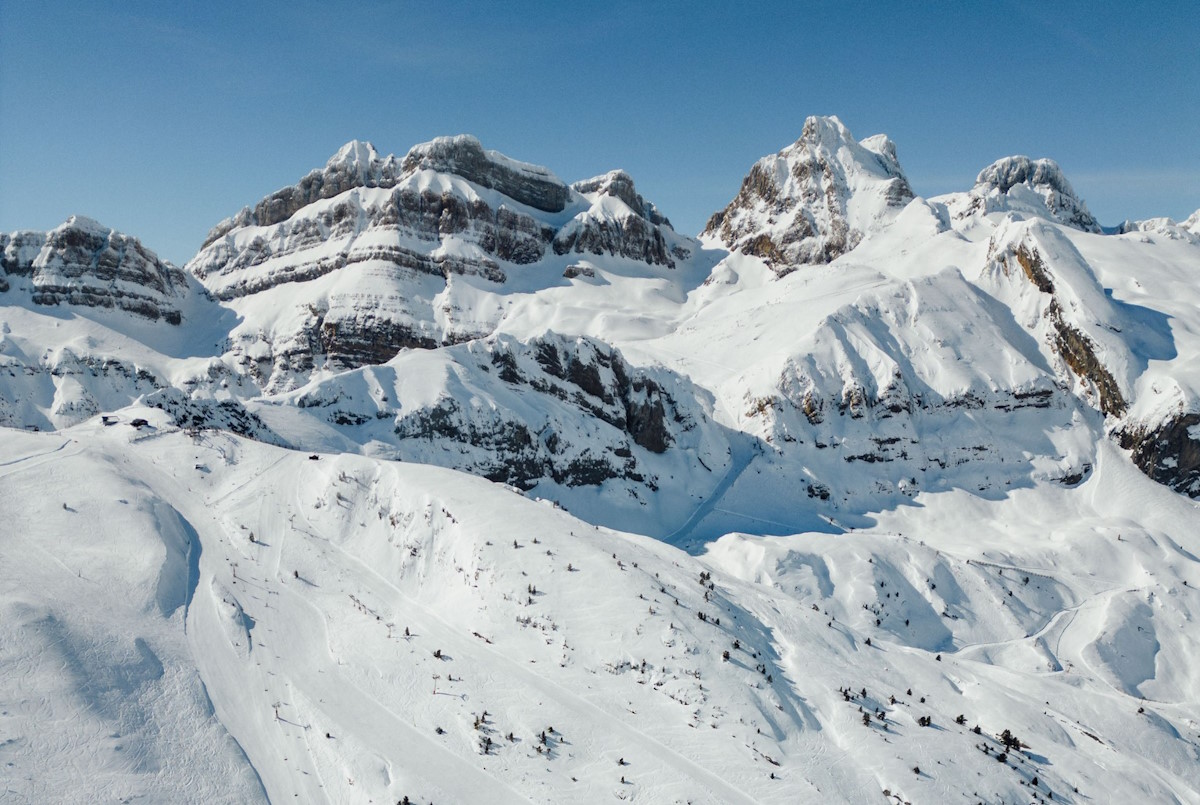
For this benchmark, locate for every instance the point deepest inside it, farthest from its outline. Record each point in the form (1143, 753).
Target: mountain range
(438, 477)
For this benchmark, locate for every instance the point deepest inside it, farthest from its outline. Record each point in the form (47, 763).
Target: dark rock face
(630, 237)
(84, 263)
(1069, 342)
(1042, 177)
(367, 340)
(205, 414)
(585, 380)
(634, 405)
(464, 156)
(1167, 452)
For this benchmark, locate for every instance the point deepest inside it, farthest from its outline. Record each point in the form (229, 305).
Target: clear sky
(162, 118)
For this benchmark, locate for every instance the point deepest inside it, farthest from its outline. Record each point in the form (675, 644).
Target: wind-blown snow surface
(456, 374)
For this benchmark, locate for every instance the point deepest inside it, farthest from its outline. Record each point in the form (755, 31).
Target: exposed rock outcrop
(1031, 185)
(621, 223)
(619, 184)
(1168, 452)
(570, 411)
(814, 200)
(85, 263)
(587, 376)
(356, 164)
(464, 156)
(205, 413)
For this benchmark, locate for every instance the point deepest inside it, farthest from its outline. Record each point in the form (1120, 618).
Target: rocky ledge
(85, 263)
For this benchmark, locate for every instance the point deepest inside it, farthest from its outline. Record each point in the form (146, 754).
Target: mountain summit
(814, 200)
(1035, 185)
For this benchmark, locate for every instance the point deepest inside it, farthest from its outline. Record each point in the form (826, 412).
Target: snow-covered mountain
(816, 199)
(437, 477)
(373, 255)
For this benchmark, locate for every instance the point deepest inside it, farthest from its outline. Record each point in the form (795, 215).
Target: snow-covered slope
(262, 625)
(874, 462)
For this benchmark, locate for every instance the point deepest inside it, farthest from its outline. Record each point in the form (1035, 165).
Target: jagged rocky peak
(1030, 185)
(465, 156)
(618, 221)
(356, 164)
(619, 184)
(814, 200)
(82, 262)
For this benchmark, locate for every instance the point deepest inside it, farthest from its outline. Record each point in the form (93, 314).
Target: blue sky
(162, 118)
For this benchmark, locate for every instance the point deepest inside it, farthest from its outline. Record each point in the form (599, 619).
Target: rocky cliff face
(815, 199)
(1038, 186)
(372, 242)
(464, 156)
(1167, 451)
(85, 263)
(356, 164)
(565, 411)
(620, 223)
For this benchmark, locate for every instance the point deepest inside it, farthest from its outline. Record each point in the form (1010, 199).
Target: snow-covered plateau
(435, 478)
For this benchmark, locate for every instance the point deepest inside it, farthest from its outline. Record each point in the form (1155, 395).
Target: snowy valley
(437, 477)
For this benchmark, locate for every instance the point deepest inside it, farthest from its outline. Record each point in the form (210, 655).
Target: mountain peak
(356, 154)
(463, 155)
(1018, 182)
(814, 200)
(826, 130)
(85, 224)
(619, 184)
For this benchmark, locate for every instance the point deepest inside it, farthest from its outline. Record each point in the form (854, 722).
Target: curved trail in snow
(31, 456)
(741, 453)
